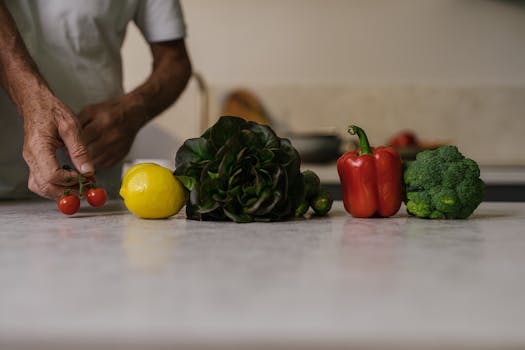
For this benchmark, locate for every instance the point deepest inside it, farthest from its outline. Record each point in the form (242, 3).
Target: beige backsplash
(486, 123)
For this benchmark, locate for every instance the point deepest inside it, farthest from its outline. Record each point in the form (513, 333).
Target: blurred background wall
(451, 70)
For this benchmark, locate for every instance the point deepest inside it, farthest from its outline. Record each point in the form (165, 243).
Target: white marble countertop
(104, 277)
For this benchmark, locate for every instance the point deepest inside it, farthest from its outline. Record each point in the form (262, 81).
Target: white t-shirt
(76, 46)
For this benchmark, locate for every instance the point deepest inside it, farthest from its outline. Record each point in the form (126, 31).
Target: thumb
(70, 134)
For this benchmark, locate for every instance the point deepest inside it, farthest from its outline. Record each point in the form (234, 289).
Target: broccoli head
(442, 184)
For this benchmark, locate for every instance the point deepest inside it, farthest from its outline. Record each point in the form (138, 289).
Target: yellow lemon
(151, 191)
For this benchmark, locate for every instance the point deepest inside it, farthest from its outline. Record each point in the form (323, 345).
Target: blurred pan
(316, 147)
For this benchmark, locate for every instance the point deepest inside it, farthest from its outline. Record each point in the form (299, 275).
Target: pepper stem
(363, 139)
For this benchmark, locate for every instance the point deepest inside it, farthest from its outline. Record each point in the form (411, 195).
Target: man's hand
(48, 123)
(107, 132)
(109, 128)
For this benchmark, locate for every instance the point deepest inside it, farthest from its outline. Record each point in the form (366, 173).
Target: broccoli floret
(442, 184)
(419, 203)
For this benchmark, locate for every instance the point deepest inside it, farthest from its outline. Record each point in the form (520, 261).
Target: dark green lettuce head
(241, 171)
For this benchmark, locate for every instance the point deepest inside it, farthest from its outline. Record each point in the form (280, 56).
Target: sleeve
(160, 20)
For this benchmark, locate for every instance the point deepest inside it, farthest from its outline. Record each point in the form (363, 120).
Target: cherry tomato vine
(69, 202)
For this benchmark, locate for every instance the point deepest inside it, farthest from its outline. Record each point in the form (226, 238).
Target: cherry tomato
(404, 139)
(69, 204)
(96, 196)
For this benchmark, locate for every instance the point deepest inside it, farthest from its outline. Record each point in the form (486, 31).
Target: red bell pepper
(370, 179)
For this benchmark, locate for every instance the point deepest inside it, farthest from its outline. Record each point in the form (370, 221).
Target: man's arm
(48, 123)
(109, 128)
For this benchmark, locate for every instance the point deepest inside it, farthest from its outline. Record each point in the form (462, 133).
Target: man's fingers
(69, 131)
(47, 178)
(64, 177)
(45, 189)
(103, 160)
(104, 157)
(89, 135)
(85, 117)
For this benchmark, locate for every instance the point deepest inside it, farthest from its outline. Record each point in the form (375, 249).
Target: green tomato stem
(80, 186)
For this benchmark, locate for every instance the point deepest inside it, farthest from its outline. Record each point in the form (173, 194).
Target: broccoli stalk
(442, 184)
